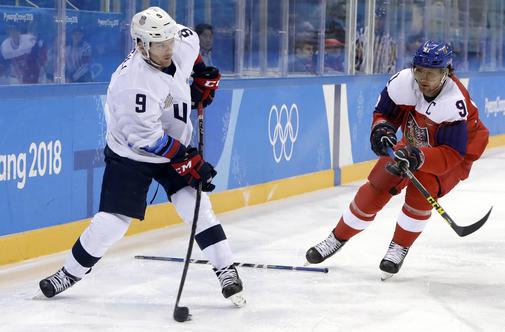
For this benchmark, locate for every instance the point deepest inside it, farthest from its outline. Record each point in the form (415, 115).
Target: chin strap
(153, 64)
(442, 81)
(148, 60)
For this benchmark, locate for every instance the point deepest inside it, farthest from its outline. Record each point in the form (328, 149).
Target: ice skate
(57, 283)
(393, 260)
(324, 249)
(231, 285)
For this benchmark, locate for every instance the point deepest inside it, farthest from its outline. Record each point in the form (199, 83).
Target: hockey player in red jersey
(442, 137)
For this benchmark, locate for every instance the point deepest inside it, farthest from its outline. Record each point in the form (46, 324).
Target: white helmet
(153, 25)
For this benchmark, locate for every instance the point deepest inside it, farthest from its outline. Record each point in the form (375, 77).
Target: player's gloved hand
(194, 169)
(383, 135)
(207, 79)
(408, 157)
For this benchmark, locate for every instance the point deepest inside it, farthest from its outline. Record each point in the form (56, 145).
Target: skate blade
(39, 296)
(307, 263)
(238, 300)
(386, 275)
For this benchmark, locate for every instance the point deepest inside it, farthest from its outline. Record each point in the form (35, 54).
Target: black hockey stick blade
(467, 230)
(252, 265)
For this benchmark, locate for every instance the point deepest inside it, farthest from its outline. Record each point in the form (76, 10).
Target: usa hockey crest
(416, 135)
(169, 101)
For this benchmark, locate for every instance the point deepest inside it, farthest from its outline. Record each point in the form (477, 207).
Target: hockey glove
(194, 169)
(383, 135)
(207, 79)
(408, 157)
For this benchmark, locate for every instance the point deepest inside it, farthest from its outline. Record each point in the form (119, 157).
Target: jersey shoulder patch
(401, 88)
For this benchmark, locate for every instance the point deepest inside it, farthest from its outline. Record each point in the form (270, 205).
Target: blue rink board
(51, 147)
(51, 138)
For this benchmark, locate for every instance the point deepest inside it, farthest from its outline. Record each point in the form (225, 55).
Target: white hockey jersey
(143, 102)
(422, 122)
(403, 90)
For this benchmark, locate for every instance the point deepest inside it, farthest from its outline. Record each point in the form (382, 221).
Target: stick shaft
(251, 265)
(195, 215)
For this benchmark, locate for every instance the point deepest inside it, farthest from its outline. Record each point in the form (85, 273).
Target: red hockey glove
(383, 135)
(207, 79)
(194, 169)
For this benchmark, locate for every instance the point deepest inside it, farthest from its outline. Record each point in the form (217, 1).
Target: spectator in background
(303, 58)
(206, 35)
(336, 19)
(78, 58)
(93, 5)
(458, 62)
(50, 65)
(413, 43)
(24, 56)
(4, 74)
(384, 45)
(334, 56)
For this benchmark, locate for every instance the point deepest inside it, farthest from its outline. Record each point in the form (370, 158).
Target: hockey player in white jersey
(148, 108)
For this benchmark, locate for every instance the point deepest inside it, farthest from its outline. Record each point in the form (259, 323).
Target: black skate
(231, 285)
(393, 260)
(325, 249)
(57, 283)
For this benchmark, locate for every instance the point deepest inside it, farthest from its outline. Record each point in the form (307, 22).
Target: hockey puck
(181, 314)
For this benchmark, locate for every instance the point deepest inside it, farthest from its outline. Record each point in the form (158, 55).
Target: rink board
(260, 139)
(269, 139)
(49, 240)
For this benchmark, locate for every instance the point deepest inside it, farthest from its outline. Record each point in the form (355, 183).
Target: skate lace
(227, 276)
(396, 253)
(328, 246)
(61, 281)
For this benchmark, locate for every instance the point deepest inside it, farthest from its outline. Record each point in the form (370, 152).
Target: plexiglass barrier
(77, 41)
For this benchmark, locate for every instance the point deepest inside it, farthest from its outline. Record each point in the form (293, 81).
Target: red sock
(403, 237)
(344, 231)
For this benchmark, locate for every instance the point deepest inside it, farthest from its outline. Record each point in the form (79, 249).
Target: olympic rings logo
(283, 127)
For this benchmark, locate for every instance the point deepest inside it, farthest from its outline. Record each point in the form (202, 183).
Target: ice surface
(447, 282)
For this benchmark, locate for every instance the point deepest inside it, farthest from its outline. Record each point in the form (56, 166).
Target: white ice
(447, 282)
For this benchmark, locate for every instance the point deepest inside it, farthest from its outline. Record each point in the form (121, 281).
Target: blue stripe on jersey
(387, 106)
(158, 146)
(454, 135)
(82, 256)
(210, 236)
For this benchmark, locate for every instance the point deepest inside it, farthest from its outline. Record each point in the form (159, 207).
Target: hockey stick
(181, 314)
(252, 265)
(460, 230)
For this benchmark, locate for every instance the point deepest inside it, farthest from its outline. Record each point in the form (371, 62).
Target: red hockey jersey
(447, 129)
